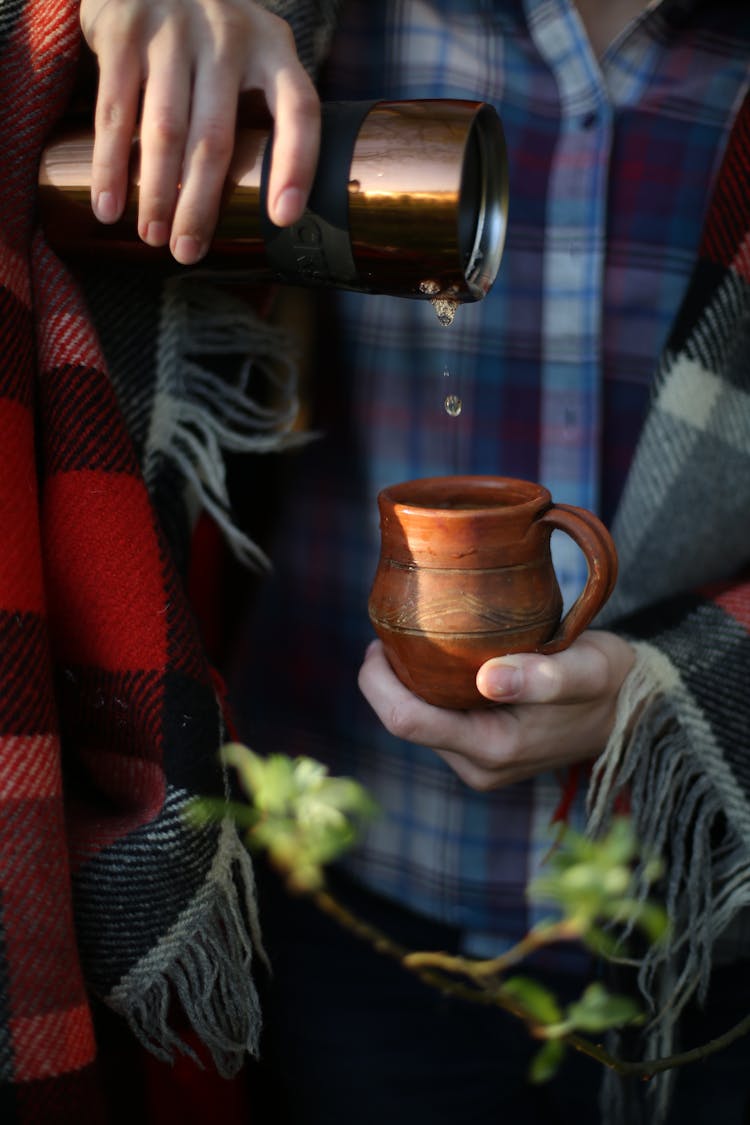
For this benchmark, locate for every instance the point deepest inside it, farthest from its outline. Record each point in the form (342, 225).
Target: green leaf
(599, 1009)
(539, 1004)
(619, 846)
(616, 881)
(212, 810)
(308, 774)
(602, 942)
(303, 817)
(654, 920)
(204, 810)
(248, 765)
(546, 1062)
(275, 786)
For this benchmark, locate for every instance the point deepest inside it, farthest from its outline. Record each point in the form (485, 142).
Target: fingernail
(288, 207)
(502, 681)
(187, 249)
(105, 207)
(156, 233)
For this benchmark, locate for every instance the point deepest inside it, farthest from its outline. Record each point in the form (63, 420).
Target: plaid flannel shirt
(611, 166)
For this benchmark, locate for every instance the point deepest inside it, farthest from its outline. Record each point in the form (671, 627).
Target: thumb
(580, 672)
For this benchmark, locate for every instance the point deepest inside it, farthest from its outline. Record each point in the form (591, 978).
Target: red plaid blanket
(109, 719)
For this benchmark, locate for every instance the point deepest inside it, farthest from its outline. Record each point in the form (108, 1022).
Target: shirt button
(590, 120)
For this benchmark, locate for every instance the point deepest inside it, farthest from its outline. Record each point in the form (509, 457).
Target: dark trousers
(354, 1039)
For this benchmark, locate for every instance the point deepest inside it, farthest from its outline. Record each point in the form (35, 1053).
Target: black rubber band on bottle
(317, 249)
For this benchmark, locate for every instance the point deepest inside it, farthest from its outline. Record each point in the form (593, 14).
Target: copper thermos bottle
(410, 198)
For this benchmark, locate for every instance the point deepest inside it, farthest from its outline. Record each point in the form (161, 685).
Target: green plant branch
(422, 965)
(535, 939)
(431, 968)
(649, 1067)
(302, 818)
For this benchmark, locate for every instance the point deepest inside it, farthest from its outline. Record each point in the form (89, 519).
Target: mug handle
(590, 534)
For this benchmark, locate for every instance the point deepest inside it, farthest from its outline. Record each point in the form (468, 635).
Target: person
(608, 361)
(635, 140)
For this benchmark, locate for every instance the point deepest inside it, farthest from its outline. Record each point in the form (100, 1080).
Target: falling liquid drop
(453, 405)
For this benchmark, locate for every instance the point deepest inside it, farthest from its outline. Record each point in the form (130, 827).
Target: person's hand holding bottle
(190, 60)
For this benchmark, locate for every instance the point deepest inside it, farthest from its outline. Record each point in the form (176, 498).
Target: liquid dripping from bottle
(444, 306)
(445, 309)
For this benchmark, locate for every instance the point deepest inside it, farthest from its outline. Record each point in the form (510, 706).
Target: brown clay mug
(465, 573)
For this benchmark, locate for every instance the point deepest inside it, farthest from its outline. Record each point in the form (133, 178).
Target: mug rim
(405, 495)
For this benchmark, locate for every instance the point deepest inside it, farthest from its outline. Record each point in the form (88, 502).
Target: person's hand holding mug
(192, 59)
(468, 611)
(553, 711)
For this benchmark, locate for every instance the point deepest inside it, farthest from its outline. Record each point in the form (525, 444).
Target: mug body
(465, 574)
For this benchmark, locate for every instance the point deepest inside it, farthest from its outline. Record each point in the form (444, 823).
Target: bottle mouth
(428, 198)
(483, 210)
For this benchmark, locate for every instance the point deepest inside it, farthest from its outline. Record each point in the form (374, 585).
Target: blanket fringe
(201, 412)
(680, 790)
(206, 962)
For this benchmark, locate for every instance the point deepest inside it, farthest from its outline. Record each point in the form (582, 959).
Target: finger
(164, 128)
(490, 776)
(586, 670)
(399, 710)
(209, 150)
(295, 107)
(485, 735)
(114, 123)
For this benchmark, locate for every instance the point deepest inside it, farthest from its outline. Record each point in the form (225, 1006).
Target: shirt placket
(573, 272)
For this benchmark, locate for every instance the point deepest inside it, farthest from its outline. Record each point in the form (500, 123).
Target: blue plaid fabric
(611, 163)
